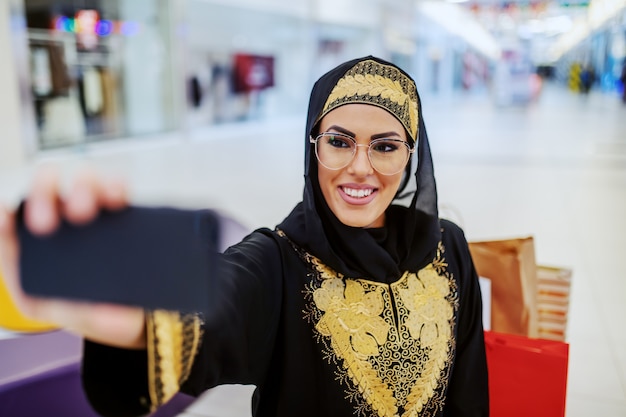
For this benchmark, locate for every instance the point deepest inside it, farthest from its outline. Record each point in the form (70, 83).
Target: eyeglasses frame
(369, 146)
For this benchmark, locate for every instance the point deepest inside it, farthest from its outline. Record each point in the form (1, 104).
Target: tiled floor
(555, 170)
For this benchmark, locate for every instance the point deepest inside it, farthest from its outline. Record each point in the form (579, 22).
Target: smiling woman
(354, 305)
(357, 193)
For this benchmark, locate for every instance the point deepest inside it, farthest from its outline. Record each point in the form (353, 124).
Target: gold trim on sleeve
(173, 341)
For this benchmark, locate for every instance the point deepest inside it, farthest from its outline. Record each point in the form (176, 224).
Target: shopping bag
(553, 288)
(510, 265)
(12, 319)
(527, 377)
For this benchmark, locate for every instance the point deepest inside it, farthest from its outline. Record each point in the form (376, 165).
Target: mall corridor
(555, 169)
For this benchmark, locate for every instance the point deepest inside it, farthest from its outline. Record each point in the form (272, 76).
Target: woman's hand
(115, 325)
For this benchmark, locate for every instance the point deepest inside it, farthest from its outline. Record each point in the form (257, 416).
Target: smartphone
(152, 257)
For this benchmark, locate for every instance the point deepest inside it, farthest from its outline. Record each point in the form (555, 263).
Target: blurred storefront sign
(99, 70)
(89, 22)
(253, 72)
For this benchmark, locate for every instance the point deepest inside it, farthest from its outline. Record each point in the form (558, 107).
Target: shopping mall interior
(523, 102)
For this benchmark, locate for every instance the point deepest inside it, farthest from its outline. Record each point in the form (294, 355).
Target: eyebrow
(351, 134)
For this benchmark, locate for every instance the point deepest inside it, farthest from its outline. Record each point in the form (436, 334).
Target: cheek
(325, 179)
(392, 184)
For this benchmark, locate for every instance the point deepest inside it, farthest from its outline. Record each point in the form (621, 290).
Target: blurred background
(94, 70)
(203, 102)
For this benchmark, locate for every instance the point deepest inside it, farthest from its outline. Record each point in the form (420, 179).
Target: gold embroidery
(393, 344)
(429, 312)
(356, 330)
(425, 296)
(439, 263)
(173, 340)
(352, 316)
(373, 85)
(385, 86)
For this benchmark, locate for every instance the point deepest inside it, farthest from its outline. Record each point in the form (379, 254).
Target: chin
(355, 221)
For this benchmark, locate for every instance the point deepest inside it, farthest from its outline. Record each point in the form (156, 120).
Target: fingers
(41, 212)
(87, 194)
(114, 194)
(90, 193)
(80, 204)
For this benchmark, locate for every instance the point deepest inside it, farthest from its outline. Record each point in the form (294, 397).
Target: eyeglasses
(336, 151)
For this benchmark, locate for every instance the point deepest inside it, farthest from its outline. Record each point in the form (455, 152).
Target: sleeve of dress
(231, 343)
(173, 340)
(115, 380)
(124, 382)
(239, 331)
(468, 392)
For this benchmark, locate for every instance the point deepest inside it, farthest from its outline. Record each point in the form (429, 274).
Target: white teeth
(358, 193)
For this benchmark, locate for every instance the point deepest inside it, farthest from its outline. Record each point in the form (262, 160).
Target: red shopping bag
(527, 377)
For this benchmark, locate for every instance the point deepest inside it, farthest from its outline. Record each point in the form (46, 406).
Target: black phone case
(156, 258)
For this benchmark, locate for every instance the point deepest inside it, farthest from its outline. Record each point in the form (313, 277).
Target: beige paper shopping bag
(510, 265)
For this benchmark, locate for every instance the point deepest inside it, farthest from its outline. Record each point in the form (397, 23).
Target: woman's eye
(385, 146)
(338, 142)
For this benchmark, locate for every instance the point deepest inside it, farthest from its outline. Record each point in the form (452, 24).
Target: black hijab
(411, 233)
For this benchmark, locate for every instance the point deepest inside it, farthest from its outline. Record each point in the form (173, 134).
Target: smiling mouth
(354, 193)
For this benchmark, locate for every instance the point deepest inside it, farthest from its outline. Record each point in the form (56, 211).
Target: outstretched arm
(44, 209)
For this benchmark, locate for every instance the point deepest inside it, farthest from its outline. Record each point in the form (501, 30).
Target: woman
(351, 306)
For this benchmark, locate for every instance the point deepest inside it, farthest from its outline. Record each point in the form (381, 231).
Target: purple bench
(40, 376)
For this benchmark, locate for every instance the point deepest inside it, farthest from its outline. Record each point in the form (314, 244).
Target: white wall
(290, 34)
(300, 8)
(216, 31)
(363, 13)
(146, 68)
(433, 62)
(12, 147)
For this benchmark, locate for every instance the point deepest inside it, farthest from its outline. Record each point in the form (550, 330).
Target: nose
(361, 165)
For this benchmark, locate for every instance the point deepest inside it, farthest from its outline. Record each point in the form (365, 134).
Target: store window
(243, 64)
(253, 61)
(100, 69)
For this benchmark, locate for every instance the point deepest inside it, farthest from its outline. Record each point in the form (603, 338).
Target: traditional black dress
(326, 319)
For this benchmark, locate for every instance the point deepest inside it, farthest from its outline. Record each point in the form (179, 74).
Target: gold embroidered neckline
(393, 343)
